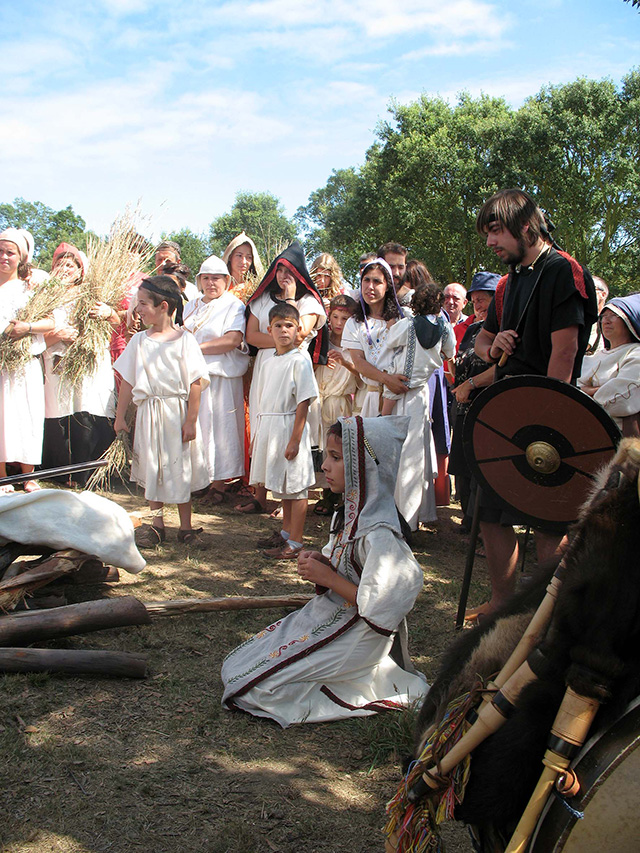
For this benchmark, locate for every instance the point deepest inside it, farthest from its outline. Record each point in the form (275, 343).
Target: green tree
(579, 155)
(193, 247)
(262, 217)
(48, 226)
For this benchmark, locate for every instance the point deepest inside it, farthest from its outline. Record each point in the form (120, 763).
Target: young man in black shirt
(541, 317)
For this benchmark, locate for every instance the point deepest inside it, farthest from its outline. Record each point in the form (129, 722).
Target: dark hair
(389, 307)
(24, 270)
(392, 248)
(284, 311)
(180, 271)
(512, 209)
(162, 288)
(273, 287)
(346, 303)
(427, 299)
(364, 259)
(416, 274)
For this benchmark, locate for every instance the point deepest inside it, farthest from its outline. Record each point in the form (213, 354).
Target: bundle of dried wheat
(113, 264)
(43, 299)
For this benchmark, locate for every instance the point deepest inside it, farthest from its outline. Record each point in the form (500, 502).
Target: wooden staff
(568, 733)
(179, 606)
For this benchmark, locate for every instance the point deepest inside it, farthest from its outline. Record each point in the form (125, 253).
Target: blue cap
(484, 281)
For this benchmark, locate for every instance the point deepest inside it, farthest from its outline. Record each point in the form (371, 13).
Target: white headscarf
(23, 239)
(240, 240)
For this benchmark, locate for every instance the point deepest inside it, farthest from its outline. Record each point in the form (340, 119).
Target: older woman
(612, 376)
(77, 426)
(244, 265)
(365, 334)
(287, 280)
(21, 390)
(217, 320)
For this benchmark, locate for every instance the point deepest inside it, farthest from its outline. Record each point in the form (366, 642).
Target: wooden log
(57, 564)
(180, 606)
(29, 627)
(92, 572)
(12, 550)
(73, 661)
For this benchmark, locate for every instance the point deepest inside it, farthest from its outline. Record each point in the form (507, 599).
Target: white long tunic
(616, 375)
(95, 393)
(260, 308)
(21, 391)
(354, 336)
(336, 387)
(161, 374)
(288, 382)
(221, 413)
(330, 660)
(415, 489)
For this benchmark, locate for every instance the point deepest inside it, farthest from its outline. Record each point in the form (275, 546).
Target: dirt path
(112, 765)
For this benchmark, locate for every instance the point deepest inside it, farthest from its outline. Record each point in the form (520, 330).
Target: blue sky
(182, 104)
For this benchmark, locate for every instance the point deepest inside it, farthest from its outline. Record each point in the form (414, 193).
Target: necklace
(543, 250)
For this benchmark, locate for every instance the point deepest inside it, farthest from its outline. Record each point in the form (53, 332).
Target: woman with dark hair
(365, 334)
(344, 654)
(287, 280)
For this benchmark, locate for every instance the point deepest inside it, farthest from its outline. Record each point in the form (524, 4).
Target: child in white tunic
(418, 345)
(344, 654)
(217, 320)
(281, 459)
(21, 390)
(163, 371)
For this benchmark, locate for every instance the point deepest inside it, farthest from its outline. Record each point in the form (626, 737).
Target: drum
(608, 769)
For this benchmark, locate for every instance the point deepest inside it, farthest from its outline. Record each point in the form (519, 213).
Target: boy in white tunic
(281, 459)
(163, 371)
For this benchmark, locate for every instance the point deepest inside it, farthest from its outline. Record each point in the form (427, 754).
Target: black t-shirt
(556, 304)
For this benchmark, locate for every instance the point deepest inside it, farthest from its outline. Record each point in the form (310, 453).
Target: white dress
(260, 308)
(221, 413)
(415, 490)
(22, 390)
(332, 660)
(161, 374)
(288, 382)
(95, 393)
(616, 374)
(336, 389)
(354, 336)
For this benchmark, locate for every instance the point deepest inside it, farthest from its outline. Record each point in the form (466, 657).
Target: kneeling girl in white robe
(344, 654)
(164, 372)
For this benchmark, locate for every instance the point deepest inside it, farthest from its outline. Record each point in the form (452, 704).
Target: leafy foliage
(48, 226)
(262, 216)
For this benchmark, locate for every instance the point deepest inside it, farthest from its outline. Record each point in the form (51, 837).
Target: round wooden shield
(535, 444)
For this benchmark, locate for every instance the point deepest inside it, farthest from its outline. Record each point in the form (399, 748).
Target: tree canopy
(49, 227)
(262, 216)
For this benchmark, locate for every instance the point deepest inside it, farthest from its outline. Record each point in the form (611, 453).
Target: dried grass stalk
(113, 264)
(118, 455)
(245, 290)
(44, 298)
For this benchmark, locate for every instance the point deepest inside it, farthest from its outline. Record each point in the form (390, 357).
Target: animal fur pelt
(592, 645)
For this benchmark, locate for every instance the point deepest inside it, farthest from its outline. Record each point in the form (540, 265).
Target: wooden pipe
(568, 733)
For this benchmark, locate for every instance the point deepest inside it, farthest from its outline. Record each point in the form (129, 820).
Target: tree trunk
(179, 606)
(73, 661)
(30, 627)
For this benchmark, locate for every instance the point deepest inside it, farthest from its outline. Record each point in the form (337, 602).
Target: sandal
(7, 489)
(32, 486)
(148, 536)
(322, 509)
(192, 538)
(475, 614)
(278, 513)
(270, 542)
(214, 497)
(253, 506)
(283, 552)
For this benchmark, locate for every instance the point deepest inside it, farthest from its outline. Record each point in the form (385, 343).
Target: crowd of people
(241, 381)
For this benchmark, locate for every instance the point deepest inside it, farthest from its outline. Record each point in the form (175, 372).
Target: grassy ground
(89, 764)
